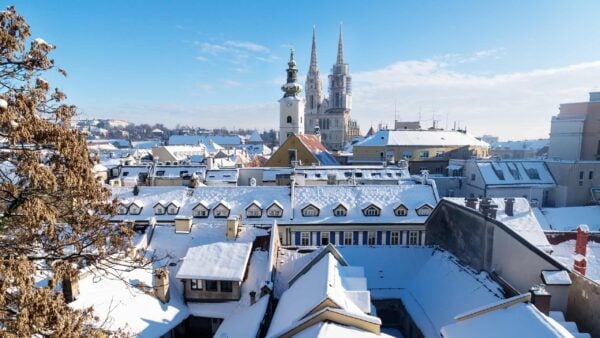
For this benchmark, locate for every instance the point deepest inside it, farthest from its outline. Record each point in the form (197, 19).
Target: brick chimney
(233, 224)
(580, 262)
(161, 284)
(509, 206)
(471, 202)
(70, 288)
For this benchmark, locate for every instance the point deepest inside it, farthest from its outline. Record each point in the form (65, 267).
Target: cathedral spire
(340, 54)
(313, 53)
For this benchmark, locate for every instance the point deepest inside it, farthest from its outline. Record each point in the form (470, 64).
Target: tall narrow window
(305, 238)
(324, 238)
(413, 238)
(395, 238)
(289, 119)
(371, 238)
(348, 240)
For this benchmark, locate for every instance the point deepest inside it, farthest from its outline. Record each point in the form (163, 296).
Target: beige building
(577, 183)
(302, 149)
(425, 149)
(575, 131)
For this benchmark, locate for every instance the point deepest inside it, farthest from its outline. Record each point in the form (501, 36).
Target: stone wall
(584, 304)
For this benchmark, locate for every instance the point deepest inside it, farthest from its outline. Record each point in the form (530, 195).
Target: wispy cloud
(247, 45)
(512, 105)
(228, 83)
(202, 58)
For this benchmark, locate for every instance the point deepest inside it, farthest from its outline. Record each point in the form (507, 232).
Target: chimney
(540, 298)
(161, 284)
(488, 208)
(582, 239)
(580, 264)
(471, 202)
(509, 206)
(232, 227)
(70, 288)
(252, 297)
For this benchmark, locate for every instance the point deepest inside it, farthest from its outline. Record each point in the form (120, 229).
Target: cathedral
(330, 116)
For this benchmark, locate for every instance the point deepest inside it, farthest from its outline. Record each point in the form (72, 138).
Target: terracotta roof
(312, 142)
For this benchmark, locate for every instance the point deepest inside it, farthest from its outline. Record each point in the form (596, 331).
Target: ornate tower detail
(340, 81)
(313, 93)
(291, 106)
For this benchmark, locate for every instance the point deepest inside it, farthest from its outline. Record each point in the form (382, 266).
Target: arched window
(289, 119)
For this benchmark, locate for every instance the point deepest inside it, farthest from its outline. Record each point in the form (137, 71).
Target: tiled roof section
(312, 143)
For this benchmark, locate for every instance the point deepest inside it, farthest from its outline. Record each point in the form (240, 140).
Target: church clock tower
(291, 105)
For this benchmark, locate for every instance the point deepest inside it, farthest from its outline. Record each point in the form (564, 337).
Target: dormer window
(200, 210)
(310, 211)
(159, 208)
(221, 210)
(173, 208)
(424, 210)
(275, 210)
(340, 210)
(401, 210)
(372, 210)
(122, 209)
(254, 210)
(136, 208)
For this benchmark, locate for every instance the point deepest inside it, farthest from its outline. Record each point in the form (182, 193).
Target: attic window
(533, 174)
(183, 172)
(125, 173)
(401, 210)
(424, 210)
(310, 211)
(359, 175)
(371, 210)
(318, 175)
(348, 174)
(340, 210)
(160, 173)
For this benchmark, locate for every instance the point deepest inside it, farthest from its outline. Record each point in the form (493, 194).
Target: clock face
(289, 104)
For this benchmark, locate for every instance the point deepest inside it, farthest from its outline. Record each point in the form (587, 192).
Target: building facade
(332, 114)
(575, 131)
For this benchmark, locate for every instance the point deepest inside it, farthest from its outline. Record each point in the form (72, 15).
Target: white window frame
(395, 238)
(325, 234)
(371, 238)
(274, 211)
(196, 284)
(310, 211)
(413, 238)
(372, 211)
(340, 211)
(424, 154)
(305, 238)
(348, 238)
(401, 211)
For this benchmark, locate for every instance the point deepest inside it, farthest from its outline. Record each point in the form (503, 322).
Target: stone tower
(313, 87)
(340, 81)
(291, 105)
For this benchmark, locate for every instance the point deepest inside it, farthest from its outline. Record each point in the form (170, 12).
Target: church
(329, 116)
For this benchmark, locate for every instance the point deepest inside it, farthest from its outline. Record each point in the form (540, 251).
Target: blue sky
(496, 67)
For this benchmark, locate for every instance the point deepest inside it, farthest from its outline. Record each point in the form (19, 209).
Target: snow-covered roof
(512, 173)
(534, 145)
(517, 320)
(314, 145)
(255, 137)
(565, 253)
(216, 261)
(420, 138)
(523, 221)
(224, 140)
(334, 330)
(236, 198)
(387, 197)
(569, 218)
(326, 279)
(346, 173)
(222, 175)
(433, 285)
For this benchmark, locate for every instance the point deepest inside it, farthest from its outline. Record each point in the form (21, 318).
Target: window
(424, 154)
(371, 210)
(324, 238)
(221, 211)
(310, 211)
(274, 211)
(424, 210)
(200, 212)
(401, 211)
(395, 238)
(581, 175)
(173, 210)
(211, 285)
(196, 284)
(439, 153)
(371, 238)
(348, 239)
(226, 286)
(407, 154)
(472, 177)
(160, 173)
(182, 172)
(289, 119)
(122, 210)
(340, 210)
(125, 173)
(253, 211)
(591, 175)
(159, 210)
(305, 238)
(413, 238)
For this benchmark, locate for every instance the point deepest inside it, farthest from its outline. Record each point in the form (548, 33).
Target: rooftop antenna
(395, 110)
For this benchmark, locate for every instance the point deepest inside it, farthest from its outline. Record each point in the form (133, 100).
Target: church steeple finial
(313, 52)
(340, 54)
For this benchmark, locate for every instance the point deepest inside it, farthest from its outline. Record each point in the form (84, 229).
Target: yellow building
(304, 150)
